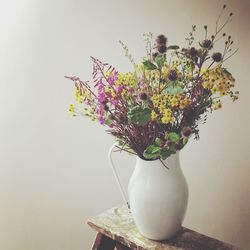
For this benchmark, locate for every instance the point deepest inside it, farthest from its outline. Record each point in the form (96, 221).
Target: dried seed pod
(162, 48)
(143, 96)
(172, 75)
(207, 44)
(186, 131)
(161, 39)
(217, 57)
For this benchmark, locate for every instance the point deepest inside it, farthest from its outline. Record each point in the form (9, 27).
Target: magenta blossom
(112, 78)
(102, 98)
(119, 89)
(101, 120)
(115, 102)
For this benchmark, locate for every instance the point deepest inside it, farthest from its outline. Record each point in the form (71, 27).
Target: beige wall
(54, 172)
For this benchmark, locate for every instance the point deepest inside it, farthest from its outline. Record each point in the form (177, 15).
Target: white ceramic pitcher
(157, 196)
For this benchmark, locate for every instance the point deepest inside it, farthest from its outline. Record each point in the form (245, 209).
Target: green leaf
(166, 152)
(151, 152)
(173, 90)
(120, 142)
(148, 65)
(108, 121)
(160, 60)
(139, 115)
(174, 137)
(158, 141)
(184, 140)
(173, 47)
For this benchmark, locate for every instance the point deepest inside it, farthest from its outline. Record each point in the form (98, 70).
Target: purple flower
(119, 89)
(101, 120)
(113, 78)
(100, 85)
(116, 75)
(102, 98)
(115, 102)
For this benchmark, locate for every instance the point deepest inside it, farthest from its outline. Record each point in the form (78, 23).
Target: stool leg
(102, 242)
(119, 246)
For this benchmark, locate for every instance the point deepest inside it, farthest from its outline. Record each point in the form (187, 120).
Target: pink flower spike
(101, 120)
(113, 78)
(119, 89)
(115, 102)
(102, 98)
(116, 75)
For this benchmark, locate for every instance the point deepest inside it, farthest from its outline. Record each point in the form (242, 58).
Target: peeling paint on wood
(117, 223)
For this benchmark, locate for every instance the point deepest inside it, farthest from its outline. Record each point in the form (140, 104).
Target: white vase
(158, 197)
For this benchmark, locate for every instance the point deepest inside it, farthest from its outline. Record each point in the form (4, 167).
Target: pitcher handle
(111, 163)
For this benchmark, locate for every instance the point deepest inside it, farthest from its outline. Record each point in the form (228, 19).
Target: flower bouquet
(153, 111)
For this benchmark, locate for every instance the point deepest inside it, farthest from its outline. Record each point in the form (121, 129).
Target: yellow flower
(214, 89)
(71, 108)
(154, 115)
(167, 116)
(162, 108)
(207, 85)
(223, 88)
(78, 95)
(128, 79)
(165, 119)
(188, 101)
(183, 104)
(156, 100)
(205, 71)
(113, 93)
(217, 105)
(174, 101)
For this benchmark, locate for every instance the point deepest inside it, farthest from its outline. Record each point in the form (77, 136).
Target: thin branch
(164, 164)
(231, 55)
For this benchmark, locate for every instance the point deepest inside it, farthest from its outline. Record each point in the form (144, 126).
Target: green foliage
(139, 115)
(148, 65)
(173, 90)
(158, 141)
(184, 141)
(174, 47)
(151, 152)
(173, 137)
(160, 60)
(127, 54)
(108, 121)
(166, 152)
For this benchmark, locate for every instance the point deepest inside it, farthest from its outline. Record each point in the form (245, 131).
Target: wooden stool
(116, 230)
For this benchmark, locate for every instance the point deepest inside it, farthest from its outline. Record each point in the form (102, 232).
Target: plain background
(54, 172)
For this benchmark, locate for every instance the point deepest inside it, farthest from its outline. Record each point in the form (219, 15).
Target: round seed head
(207, 44)
(162, 48)
(161, 39)
(172, 75)
(217, 57)
(186, 131)
(143, 96)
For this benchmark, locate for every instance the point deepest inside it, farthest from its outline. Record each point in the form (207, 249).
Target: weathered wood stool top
(117, 229)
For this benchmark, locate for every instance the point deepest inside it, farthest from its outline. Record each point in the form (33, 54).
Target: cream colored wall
(54, 172)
